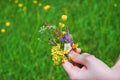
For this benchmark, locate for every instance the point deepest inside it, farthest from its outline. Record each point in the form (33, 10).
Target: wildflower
(57, 54)
(34, 1)
(40, 4)
(16, 1)
(20, 5)
(63, 33)
(115, 4)
(63, 39)
(61, 25)
(7, 24)
(64, 17)
(52, 41)
(57, 33)
(67, 47)
(3, 30)
(74, 46)
(68, 36)
(47, 7)
(63, 60)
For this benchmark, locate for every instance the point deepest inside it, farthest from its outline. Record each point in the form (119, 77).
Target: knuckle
(85, 54)
(90, 57)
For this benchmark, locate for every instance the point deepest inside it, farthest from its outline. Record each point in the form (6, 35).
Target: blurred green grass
(25, 56)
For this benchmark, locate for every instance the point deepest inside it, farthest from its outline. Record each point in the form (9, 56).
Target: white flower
(67, 47)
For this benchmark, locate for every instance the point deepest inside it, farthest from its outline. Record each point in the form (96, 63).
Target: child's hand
(94, 69)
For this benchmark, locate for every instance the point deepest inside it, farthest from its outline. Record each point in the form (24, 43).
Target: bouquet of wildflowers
(61, 41)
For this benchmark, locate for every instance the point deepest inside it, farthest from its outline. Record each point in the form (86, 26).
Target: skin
(93, 69)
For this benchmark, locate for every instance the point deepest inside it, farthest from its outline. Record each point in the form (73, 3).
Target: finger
(81, 59)
(74, 72)
(83, 68)
(78, 50)
(67, 67)
(89, 61)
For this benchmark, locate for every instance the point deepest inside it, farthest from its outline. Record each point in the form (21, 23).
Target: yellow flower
(16, 1)
(63, 33)
(35, 2)
(40, 4)
(7, 24)
(3, 30)
(20, 5)
(115, 4)
(61, 25)
(74, 46)
(63, 60)
(64, 17)
(47, 7)
(57, 54)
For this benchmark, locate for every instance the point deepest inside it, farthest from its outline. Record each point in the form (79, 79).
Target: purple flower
(63, 39)
(68, 36)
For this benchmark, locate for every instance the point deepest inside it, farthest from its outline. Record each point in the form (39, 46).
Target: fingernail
(78, 50)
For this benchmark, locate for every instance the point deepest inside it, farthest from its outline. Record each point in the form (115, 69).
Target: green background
(25, 53)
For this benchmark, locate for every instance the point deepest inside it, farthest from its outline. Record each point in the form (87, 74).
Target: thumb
(70, 68)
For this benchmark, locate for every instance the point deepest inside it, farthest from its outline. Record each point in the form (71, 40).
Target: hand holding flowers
(61, 41)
